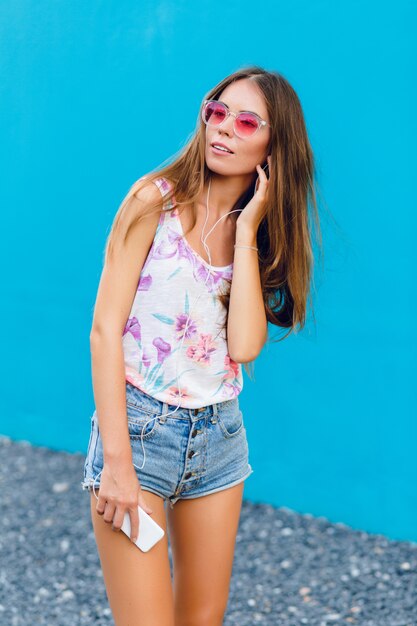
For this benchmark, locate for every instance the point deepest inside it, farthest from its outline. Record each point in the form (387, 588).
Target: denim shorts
(188, 454)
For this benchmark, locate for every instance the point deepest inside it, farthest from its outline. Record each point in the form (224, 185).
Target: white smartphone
(149, 531)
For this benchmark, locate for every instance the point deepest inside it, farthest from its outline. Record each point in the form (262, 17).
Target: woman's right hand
(120, 491)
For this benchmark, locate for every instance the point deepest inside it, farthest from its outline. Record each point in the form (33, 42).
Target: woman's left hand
(254, 212)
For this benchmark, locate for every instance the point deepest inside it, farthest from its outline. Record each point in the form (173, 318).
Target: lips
(222, 145)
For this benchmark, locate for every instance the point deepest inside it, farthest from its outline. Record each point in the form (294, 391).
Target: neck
(224, 193)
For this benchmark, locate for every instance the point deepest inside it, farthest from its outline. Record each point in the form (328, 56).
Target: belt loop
(162, 417)
(214, 416)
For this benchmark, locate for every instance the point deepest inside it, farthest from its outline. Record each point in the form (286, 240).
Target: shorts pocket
(137, 399)
(231, 421)
(141, 423)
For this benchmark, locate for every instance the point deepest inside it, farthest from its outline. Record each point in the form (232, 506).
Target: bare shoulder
(146, 194)
(136, 220)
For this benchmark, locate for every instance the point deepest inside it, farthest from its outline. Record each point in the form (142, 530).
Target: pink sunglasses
(245, 124)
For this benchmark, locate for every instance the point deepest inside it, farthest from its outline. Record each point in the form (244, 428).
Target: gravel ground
(289, 569)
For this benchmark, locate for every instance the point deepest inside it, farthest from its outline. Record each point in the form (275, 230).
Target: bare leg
(138, 584)
(203, 535)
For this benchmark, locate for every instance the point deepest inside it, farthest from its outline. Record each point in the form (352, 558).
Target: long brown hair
(284, 237)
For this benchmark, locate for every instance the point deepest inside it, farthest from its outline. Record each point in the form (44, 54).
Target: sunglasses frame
(261, 122)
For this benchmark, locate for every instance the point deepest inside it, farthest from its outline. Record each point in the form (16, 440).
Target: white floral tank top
(171, 279)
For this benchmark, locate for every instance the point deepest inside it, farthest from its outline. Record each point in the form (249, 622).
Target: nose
(227, 126)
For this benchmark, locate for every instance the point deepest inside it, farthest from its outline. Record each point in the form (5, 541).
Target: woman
(174, 320)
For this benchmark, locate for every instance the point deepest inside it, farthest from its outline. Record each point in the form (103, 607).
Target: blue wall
(85, 96)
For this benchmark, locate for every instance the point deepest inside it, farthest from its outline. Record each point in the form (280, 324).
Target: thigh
(138, 584)
(203, 535)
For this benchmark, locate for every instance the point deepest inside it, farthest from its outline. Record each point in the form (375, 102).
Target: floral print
(201, 351)
(171, 304)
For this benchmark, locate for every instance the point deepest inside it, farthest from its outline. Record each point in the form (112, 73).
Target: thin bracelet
(251, 247)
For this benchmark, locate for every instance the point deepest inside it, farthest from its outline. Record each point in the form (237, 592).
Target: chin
(216, 168)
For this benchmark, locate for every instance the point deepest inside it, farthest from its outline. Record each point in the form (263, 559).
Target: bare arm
(247, 327)
(115, 296)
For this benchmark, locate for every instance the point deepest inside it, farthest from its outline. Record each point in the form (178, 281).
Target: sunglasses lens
(214, 113)
(246, 124)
